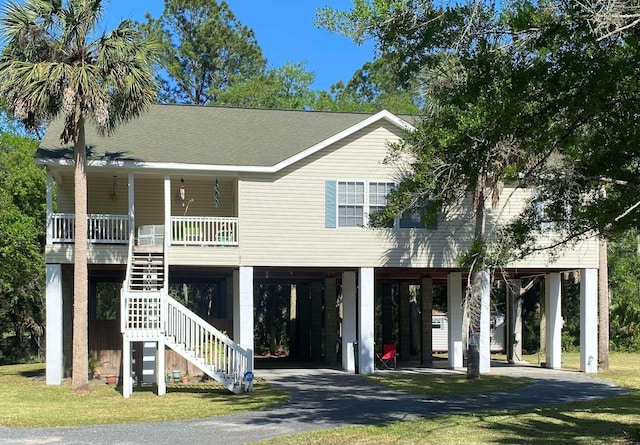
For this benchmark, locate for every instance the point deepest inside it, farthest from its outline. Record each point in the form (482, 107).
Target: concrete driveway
(322, 399)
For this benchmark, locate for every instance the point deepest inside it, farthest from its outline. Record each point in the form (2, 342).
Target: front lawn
(27, 401)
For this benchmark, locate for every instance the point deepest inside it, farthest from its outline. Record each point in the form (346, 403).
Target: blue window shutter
(330, 204)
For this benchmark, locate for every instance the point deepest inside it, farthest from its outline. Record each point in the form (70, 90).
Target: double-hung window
(351, 204)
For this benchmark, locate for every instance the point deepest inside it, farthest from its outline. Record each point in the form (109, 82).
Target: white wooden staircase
(150, 314)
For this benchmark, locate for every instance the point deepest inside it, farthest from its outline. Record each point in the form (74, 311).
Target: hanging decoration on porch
(114, 190)
(216, 194)
(181, 192)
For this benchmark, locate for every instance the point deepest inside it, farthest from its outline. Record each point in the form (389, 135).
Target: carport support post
(160, 368)
(330, 321)
(366, 320)
(514, 320)
(426, 347)
(589, 320)
(552, 297)
(125, 378)
(348, 320)
(405, 322)
(243, 310)
(485, 324)
(54, 354)
(454, 309)
(316, 321)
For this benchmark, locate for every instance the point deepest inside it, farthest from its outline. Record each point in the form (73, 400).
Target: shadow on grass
(604, 421)
(32, 373)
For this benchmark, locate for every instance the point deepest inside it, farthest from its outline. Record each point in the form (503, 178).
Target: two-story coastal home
(241, 197)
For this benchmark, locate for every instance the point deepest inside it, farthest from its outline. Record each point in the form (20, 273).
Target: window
(378, 192)
(350, 204)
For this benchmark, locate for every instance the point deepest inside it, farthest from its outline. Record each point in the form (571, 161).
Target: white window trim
(365, 204)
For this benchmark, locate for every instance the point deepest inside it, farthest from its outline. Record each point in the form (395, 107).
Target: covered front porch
(196, 211)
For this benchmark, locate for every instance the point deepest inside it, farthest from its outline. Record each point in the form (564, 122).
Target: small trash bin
(355, 355)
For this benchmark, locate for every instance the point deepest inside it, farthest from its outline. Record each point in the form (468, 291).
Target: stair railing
(125, 285)
(207, 345)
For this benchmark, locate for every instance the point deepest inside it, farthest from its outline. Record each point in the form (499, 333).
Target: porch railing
(204, 231)
(107, 229)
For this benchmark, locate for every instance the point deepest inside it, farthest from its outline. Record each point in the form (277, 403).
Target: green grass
(614, 420)
(445, 384)
(27, 401)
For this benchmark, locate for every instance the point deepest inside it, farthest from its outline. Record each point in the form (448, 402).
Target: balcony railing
(114, 229)
(106, 229)
(204, 231)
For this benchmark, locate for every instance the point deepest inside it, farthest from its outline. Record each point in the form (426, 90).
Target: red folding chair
(388, 358)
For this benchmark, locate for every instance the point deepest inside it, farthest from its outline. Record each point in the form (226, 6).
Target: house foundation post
(243, 311)
(514, 321)
(330, 321)
(54, 336)
(366, 320)
(426, 337)
(316, 321)
(126, 378)
(454, 312)
(161, 372)
(554, 320)
(485, 324)
(405, 322)
(589, 320)
(386, 291)
(348, 320)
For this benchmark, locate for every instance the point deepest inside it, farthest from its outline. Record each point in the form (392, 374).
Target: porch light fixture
(114, 190)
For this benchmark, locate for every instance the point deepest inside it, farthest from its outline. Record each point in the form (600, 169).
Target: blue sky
(284, 29)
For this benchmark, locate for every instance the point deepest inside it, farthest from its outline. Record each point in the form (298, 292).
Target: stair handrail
(210, 346)
(125, 284)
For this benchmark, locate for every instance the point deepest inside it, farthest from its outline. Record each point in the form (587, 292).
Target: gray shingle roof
(208, 136)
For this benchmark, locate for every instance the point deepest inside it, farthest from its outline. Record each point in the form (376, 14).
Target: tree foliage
(287, 87)
(624, 273)
(372, 88)
(22, 222)
(205, 50)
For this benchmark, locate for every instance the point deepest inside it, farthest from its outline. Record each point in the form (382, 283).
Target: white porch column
(243, 309)
(554, 320)
(454, 309)
(125, 378)
(589, 320)
(348, 320)
(54, 354)
(132, 212)
(485, 324)
(49, 201)
(161, 372)
(366, 320)
(167, 228)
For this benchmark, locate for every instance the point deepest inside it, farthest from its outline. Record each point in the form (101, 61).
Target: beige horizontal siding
(282, 217)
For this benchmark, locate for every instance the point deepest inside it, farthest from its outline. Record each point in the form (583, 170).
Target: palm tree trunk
(80, 381)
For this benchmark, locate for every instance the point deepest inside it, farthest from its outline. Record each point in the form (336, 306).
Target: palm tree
(55, 65)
